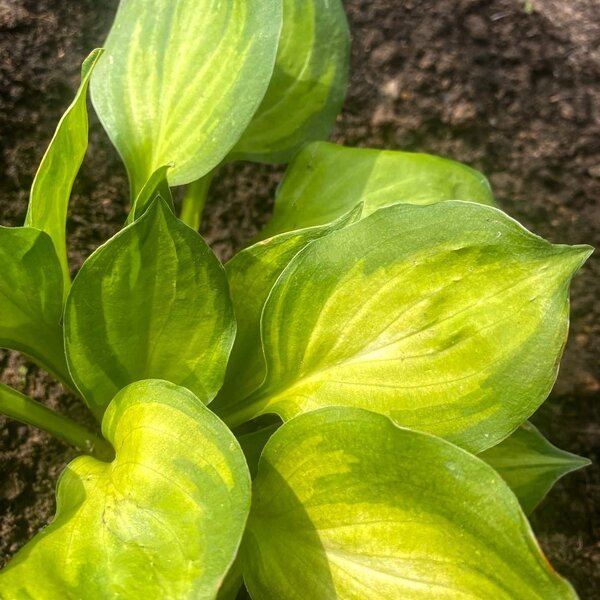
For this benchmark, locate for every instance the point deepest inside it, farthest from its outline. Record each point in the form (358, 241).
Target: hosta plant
(338, 412)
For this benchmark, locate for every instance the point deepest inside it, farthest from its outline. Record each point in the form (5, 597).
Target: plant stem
(18, 406)
(195, 199)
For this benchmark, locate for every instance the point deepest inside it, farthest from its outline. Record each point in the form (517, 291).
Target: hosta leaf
(180, 81)
(308, 86)
(152, 302)
(251, 274)
(54, 179)
(156, 187)
(449, 318)
(325, 181)
(530, 464)
(163, 520)
(347, 505)
(31, 298)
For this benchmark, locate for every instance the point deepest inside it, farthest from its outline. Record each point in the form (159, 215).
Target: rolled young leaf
(251, 274)
(530, 464)
(347, 505)
(163, 520)
(31, 298)
(152, 302)
(181, 80)
(325, 181)
(51, 189)
(449, 318)
(308, 86)
(156, 187)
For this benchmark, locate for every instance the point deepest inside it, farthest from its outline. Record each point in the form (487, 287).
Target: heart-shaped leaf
(347, 505)
(152, 302)
(163, 520)
(180, 81)
(434, 316)
(308, 86)
(31, 298)
(325, 181)
(530, 464)
(54, 179)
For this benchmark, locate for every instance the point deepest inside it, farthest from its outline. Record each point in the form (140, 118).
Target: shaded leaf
(530, 464)
(180, 85)
(325, 181)
(31, 298)
(251, 274)
(308, 86)
(163, 520)
(51, 189)
(152, 302)
(347, 505)
(434, 316)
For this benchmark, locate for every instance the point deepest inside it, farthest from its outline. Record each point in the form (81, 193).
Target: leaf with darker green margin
(51, 189)
(31, 299)
(531, 465)
(252, 273)
(325, 181)
(153, 302)
(308, 86)
(348, 505)
(449, 318)
(163, 520)
(179, 84)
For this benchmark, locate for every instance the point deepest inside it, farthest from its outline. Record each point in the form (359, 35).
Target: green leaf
(54, 179)
(347, 505)
(530, 464)
(308, 86)
(163, 520)
(152, 302)
(449, 318)
(31, 298)
(251, 274)
(325, 181)
(156, 187)
(180, 83)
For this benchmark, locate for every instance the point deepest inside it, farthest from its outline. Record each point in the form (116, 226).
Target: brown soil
(511, 87)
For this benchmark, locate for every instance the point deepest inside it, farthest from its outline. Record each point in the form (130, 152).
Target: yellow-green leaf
(163, 520)
(449, 318)
(530, 464)
(51, 189)
(152, 302)
(308, 84)
(31, 298)
(181, 80)
(324, 181)
(347, 505)
(251, 274)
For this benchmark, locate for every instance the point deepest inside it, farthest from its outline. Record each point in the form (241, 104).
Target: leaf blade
(252, 273)
(189, 99)
(51, 189)
(308, 86)
(177, 495)
(31, 299)
(431, 315)
(325, 180)
(153, 302)
(531, 465)
(374, 511)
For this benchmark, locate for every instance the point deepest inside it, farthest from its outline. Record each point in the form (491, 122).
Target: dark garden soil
(511, 87)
